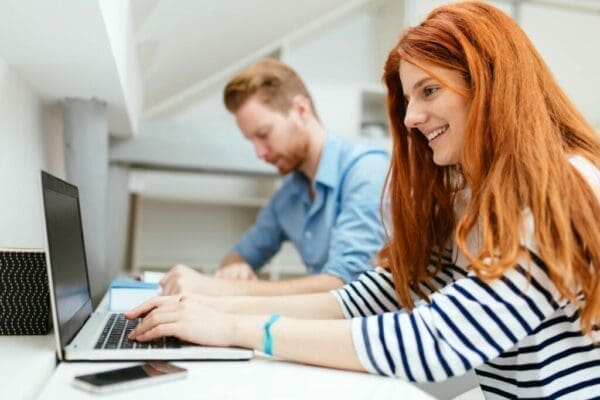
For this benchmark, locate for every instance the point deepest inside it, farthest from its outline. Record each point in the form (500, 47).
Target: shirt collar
(328, 170)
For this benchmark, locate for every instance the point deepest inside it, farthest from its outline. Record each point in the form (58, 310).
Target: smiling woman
(435, 109)
(493, 257)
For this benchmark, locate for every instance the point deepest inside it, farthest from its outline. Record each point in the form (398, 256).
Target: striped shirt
(519, 335)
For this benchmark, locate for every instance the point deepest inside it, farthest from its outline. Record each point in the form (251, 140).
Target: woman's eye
(428, 91)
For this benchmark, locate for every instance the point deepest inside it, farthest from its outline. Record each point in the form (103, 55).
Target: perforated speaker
(24, 296)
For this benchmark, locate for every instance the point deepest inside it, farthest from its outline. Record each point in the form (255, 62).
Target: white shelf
(203, 188)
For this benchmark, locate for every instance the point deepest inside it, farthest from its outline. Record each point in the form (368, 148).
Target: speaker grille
(24, 296)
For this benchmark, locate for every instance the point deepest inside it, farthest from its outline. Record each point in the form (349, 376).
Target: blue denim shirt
(340, 231)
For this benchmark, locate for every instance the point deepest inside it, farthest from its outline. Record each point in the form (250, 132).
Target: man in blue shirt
(327, 206)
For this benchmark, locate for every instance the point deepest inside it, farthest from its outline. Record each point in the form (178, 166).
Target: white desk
(259, 378)
(26, 363)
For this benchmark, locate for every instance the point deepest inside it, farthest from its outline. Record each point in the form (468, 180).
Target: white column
(86, 165)
(117, 221)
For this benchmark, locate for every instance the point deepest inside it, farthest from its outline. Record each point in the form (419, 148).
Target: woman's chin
(443, 159)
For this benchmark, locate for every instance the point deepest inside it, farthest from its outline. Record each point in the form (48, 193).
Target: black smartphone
(130, 377)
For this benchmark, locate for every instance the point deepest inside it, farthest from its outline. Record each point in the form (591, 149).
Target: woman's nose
(415, 116)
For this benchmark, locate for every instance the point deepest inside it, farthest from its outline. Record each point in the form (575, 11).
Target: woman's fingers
(151, 321)
(165, 329)
(145, 308)
(164, 314)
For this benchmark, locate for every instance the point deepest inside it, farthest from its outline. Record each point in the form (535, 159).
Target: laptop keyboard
(115, 331)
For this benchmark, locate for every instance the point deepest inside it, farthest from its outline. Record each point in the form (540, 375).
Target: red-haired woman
(493, 259)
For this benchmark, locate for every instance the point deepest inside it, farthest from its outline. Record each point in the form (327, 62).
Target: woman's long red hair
(521, 129)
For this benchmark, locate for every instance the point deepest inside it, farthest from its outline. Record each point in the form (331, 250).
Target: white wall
(568, 43)
(339, 53)
(335, 61)
(28, 137)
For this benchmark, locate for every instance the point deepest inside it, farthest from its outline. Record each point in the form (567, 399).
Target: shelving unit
(374, 120)
(206, 214)
(203, 188)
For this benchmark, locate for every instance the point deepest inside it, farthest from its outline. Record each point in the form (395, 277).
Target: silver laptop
(82, 334)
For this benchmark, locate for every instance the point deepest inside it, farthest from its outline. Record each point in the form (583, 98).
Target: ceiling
(183, 42)
(62, 49)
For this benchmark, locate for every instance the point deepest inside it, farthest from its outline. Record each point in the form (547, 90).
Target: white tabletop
(26, 363)
(259, 378)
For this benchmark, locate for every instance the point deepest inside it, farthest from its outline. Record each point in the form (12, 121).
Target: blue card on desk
(126, 294)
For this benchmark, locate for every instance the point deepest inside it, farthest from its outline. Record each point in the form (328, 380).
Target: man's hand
(237, 270)
(182, 278)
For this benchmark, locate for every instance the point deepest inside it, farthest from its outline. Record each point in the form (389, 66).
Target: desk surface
(27, 362)
(259, 378)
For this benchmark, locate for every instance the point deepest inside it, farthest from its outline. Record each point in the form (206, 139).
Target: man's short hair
(274, 83)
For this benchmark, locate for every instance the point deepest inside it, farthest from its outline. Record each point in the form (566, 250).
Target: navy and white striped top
(521, 338)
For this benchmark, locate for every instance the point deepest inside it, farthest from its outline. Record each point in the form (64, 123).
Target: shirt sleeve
(357, 234)
(373, 292)
(263, 239)
(466, 324)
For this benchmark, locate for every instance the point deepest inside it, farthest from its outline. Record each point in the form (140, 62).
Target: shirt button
(308, 234)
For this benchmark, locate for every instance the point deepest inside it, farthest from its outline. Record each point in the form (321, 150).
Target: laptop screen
(67, 256)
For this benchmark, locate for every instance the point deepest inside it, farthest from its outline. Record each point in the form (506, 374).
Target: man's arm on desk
(234, 266)
(184, 279)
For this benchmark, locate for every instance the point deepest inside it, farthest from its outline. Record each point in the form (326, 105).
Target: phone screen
(129, 374)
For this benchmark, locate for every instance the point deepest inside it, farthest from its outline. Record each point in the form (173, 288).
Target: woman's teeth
(437, 133)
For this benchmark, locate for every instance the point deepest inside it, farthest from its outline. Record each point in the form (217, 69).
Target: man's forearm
(309, 284)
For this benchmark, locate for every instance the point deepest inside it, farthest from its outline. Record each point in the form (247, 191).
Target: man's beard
(289, 164)
(295, 160)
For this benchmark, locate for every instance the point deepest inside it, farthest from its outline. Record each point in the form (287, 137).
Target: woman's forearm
(305, 306)
(315, 342)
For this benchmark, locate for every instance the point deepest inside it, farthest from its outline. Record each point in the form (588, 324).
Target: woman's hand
(218, 303)
(141, 311)
(185, 318)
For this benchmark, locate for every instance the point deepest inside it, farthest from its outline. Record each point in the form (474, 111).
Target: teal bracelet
(268, 344)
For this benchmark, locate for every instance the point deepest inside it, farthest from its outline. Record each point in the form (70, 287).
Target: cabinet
(374, 124)
(195, 218)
